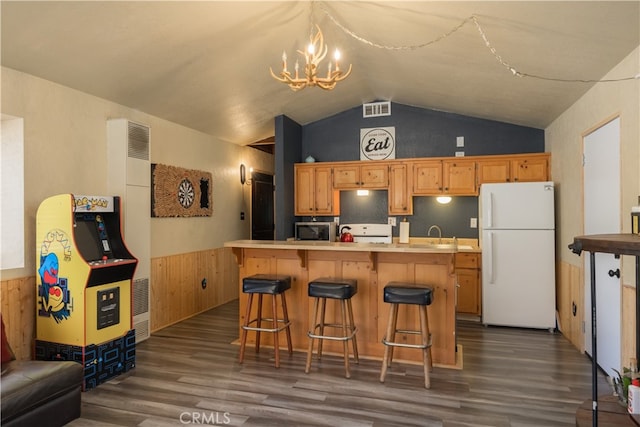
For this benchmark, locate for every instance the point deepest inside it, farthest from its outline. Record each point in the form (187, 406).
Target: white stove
(370, 233)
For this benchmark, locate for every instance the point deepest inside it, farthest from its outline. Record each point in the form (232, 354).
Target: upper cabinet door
(346, 176)
(400, 200)
(459, 177)
(374, 175)
(427, 177)
(304, 190)
(493, 171)
(530, 169)
(353, 176)
(324, 195)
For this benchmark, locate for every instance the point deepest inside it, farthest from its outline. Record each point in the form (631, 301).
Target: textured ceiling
(205, 64)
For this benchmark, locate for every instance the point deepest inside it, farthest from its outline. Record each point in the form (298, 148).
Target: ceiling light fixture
(315, 53)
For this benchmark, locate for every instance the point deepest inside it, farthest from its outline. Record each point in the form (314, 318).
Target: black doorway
(262, 223)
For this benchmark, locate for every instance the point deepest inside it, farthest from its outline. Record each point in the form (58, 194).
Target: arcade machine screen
(91, 237)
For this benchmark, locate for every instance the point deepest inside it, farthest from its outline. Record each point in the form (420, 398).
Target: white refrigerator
(517, 238)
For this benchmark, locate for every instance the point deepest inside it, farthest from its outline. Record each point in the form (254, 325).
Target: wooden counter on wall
(373, 265)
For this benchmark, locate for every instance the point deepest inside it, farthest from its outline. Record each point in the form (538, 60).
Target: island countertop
(311, 245)
(373, 265)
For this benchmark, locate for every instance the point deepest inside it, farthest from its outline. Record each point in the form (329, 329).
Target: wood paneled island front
(373, 265)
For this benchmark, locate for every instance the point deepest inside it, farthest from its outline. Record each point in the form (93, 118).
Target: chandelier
(316, 52)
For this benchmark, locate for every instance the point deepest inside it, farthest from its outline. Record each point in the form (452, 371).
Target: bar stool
(396, 293)
(336, 289)
(266, 284)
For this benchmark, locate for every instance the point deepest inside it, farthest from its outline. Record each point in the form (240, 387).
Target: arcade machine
(83, 286)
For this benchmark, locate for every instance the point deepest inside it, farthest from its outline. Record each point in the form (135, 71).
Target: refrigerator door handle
(490, 211)
(490, 255)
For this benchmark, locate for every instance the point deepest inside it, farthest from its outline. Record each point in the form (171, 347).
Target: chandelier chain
(494, 52)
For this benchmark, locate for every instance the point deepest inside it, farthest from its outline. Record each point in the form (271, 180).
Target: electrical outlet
(473, 223)
(391, 221)
(459, 153)
(336, 219)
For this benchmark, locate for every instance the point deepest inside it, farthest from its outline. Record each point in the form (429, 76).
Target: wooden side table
(617, 244)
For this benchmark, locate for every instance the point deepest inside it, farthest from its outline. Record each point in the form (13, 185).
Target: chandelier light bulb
(311, 49)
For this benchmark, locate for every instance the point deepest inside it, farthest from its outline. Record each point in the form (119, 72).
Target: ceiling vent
(376, 109)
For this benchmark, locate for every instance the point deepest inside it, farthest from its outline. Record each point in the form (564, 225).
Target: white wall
(65, 152)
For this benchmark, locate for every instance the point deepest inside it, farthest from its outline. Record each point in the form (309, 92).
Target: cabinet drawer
(467, 260)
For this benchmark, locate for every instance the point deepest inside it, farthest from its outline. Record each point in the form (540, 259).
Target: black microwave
(324, 231)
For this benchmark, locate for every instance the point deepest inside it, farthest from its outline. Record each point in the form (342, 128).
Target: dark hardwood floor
(188, 374)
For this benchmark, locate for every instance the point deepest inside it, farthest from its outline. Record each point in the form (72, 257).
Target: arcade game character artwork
(83, 286)
(54, 299)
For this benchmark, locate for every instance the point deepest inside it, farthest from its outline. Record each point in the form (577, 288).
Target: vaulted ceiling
(205, 64)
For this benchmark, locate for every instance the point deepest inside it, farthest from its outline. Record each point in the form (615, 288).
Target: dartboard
(186, 193)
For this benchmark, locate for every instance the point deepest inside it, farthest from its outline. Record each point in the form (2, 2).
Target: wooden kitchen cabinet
(314, 194)
(436, 177)
(469, 283)
(494, 170)
(530, 169)
(427, 177)
(400, 199)
(373, 175)
(513, 168)
(459, 177)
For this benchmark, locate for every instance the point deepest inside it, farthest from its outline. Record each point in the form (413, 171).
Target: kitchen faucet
(439, 233)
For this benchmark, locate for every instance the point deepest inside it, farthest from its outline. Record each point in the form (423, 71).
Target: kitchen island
(373, 265)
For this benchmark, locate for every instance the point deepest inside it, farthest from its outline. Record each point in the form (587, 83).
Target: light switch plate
(460, 141)
(336, 219)
(473, 223)
(391, 221)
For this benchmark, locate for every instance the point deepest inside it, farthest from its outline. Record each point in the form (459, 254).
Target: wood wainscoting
(176, 294)
(570, 302)
(18, 307)
(570, 290)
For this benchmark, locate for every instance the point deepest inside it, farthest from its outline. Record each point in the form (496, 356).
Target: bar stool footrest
(332, 337)
(253, 328)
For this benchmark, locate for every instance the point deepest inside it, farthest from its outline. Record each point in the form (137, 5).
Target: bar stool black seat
(266, 284)
(401, 293)
(340, 290)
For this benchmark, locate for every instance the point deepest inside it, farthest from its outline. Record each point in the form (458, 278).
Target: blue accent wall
(419, 133)
(287, 152)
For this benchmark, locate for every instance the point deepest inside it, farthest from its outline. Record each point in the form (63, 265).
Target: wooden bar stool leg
(424, 329)
(259, 322)
(394, 328)
(243, 338)
(343, 312)
(276, 336)
(390, 330)
(352, 328)
(285, 314)
(323, 310)
(313, 323)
